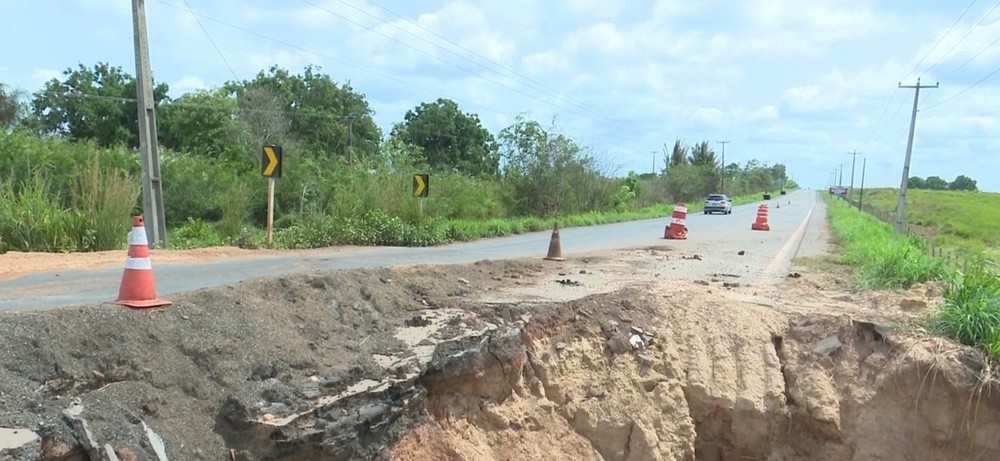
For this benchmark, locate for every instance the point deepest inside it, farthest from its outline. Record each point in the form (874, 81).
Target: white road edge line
(794, 240)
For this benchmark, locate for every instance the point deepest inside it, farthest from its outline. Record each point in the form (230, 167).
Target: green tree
(916, 182)
(963, 182)
(202, 123)
(328, 119)
(96, 103)
(11, 107)
(549, 173)
(936, 183)
(450, 138)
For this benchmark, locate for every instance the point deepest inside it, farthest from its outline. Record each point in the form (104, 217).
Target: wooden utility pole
(149, 158)
(861, 198)
(901, 206)
(723, 191)
(854, 158)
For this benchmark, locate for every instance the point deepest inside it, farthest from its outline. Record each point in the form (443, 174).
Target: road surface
(788, 216)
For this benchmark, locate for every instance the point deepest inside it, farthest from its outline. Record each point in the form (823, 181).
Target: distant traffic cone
(761, 223)
(555, 248)
(677, 229)
(138, 288)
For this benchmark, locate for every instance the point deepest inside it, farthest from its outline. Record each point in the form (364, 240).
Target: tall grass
(34, 218)
(971, 310)
(107, 199)
(31, 220)
(882, 258)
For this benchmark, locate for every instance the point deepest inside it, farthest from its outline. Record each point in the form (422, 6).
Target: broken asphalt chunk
(828, 345)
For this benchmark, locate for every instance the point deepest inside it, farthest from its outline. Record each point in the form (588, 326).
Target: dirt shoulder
(14, 264)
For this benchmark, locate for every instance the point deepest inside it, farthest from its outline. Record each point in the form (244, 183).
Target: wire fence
(958, 259)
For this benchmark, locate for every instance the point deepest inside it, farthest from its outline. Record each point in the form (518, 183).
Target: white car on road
(718, 203)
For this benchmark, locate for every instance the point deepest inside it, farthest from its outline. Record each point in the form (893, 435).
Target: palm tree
(702, 154)
(678, 155)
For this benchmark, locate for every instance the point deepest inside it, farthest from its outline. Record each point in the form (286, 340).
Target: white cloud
(547, 62)
(603, 37)
(103, 6)
(40, 76)
(188, 83)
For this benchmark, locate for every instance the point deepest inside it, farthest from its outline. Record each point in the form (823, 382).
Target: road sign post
(270, 168)
(421, 189)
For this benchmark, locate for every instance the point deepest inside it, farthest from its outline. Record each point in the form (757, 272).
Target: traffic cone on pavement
(677, 228)
(761, 223)
(555, 247)
(138, 289)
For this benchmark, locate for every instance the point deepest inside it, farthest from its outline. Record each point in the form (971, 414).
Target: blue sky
(800, 83)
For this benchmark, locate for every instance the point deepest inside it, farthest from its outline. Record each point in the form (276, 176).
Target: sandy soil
(15, 264)
(637, 354)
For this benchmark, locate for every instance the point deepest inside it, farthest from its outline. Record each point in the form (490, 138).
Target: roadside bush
(193, 234)
(971, 310)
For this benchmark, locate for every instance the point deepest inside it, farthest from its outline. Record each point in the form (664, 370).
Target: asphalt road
(787, 218)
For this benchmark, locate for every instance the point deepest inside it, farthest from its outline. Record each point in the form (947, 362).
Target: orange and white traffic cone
(677, 229)
(761, 223)
(138, 289)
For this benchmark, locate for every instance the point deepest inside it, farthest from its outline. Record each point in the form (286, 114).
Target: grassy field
(965, 222)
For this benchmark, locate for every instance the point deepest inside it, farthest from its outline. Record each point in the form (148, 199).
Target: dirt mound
(715, 381)
(202, 371)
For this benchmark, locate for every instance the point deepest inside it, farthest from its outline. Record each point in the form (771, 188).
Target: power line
(346, 63)
(970, 31)
(484, 77)
(323, 56)
(290, 114)
(987, 77)
(967, 61)
(884, 109)
(891, 119)
(209, 36)
(523, 77)
(940, 39)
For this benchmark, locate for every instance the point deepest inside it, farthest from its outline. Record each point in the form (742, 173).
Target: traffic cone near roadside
(761, 223)
(677, 228)
(555, 247)
(138, 289)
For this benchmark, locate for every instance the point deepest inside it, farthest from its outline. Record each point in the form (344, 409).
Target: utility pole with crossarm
(723, 187)
(854, 159)
(901, 206)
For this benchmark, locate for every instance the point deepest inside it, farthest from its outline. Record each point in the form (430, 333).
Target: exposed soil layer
(713, 381)
(593, 358)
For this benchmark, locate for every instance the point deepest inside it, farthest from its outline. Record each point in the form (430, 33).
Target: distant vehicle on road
(718, 203)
